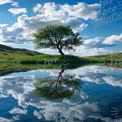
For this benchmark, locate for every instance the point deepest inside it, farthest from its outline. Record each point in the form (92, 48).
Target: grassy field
(12, 59)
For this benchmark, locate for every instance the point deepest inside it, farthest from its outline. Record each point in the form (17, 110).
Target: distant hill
(5, 48)
(8, 49)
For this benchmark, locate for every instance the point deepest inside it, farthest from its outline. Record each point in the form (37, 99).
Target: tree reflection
(62, 86)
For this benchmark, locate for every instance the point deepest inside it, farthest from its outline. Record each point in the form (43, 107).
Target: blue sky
(98, 22)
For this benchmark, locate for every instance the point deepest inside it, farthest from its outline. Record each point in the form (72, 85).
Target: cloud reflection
(19, 86)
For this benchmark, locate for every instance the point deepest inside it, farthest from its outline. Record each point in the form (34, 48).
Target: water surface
(85, 94)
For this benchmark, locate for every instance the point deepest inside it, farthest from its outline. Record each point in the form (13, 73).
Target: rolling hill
(8, 49)
(14, 58)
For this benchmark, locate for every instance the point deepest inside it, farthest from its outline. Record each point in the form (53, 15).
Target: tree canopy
(57, 36)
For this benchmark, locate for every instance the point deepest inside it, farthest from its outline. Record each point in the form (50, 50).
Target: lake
(85, 94)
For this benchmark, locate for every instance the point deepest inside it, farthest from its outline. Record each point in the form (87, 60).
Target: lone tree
(57, 36)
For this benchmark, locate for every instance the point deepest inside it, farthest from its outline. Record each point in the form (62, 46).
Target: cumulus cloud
(5, 1)
(14, 34)
(80, 10)
(22, 30)
(16, 11)
(5, 120)
(114, 39)
(2, 29)
(47, 14)
(112, 81)
(3, 25)
(101, 75)
(37, 8)
(37, 114)
(100, 42)
(17, 111)
(15, 4)
(96, 43)
(51, 13)
(96, 74)
(90, 47)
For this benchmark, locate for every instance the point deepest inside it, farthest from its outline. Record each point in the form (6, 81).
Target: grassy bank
(12, 59)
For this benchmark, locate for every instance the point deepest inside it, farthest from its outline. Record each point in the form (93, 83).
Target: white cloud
(3, 25)
(82, 10)
(17, 111)
(100, 75)
(114, 39)
(113, 81)
(96, 43)
(47, 14)
(15, 4)
(76, 24)
(5, 1)
(5, 120)
(16, 11)
(94, 46)
(96, 78)
(15, 118)
(2, 28)
(37, 114)
(1, 82)
(37, 8)
(53, 11)
(97, 46)
(22, 30)
(67, 112)
(85, 51)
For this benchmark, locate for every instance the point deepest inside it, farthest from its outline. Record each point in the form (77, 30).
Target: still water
(85, 94)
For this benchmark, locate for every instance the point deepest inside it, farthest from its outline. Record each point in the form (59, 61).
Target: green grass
(12, 59)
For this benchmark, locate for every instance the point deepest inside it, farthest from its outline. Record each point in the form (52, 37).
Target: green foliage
(57, 36)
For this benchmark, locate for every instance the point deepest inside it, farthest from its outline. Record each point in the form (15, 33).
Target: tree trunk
(60, 51)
